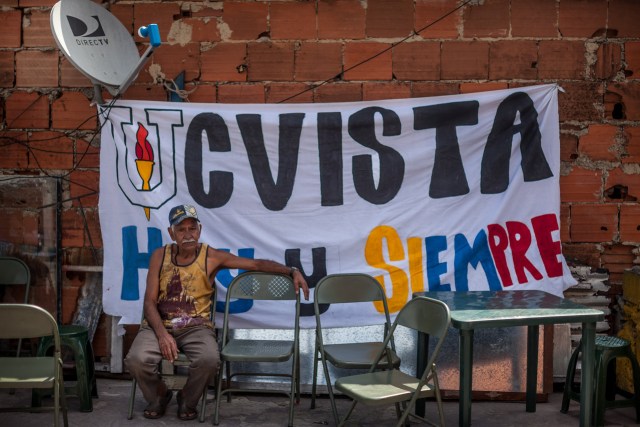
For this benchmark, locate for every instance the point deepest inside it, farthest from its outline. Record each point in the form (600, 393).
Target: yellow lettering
(416, 270)
(374, 254)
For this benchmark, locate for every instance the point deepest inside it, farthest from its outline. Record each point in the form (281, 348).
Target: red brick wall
(260, 51)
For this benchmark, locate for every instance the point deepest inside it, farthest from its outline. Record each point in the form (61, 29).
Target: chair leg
(600, 397)
(568, 384)
(216, 409)
(315, 378)
(346, 417)
(436, 386)
(203, 405)
(132, 398)
(332, 398)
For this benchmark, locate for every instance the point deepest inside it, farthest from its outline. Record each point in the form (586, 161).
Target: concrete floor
(110, 409)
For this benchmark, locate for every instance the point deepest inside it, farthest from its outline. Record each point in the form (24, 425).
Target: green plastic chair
(355, 289)
(424, 315)
(172, 375)
(30, 321)
(14, 272)
(264, 287)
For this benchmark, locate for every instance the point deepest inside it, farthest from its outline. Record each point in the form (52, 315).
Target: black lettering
(274, 194)
(362, 130)
(330, 156)
(220, 183)
(448, 178)
(497, 153)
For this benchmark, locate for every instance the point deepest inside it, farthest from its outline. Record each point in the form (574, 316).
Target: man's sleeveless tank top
(185, 291)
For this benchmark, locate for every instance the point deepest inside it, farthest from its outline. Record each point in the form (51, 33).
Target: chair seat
(32, 372)
(381, 387)
(357, 355)
(258, 351)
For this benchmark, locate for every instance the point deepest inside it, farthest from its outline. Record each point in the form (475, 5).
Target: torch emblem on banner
(144, 161)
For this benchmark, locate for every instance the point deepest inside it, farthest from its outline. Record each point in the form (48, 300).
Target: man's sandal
(184, 412)
(157, 409)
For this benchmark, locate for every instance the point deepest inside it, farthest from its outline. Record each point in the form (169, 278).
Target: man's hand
(168, 347)
(300, 283)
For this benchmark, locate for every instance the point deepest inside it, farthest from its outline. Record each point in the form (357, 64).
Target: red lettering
(543, 226)
(498, 243)
(520, 241)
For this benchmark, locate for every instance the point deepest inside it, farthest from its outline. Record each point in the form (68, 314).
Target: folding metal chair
(355, 289)
(424, 315)
(14, 272)
(30, 321)
(258, 286)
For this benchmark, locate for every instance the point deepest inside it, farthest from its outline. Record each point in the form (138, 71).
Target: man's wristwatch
(293, 270)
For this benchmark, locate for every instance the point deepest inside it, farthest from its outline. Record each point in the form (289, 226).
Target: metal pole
(59, 250)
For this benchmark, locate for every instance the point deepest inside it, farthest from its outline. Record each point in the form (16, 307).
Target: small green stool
(608, 349)
(76, 339)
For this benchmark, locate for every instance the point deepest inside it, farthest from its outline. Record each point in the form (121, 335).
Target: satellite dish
(98, 45)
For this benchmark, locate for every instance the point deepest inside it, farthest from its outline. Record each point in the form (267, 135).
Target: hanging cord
(172, 86)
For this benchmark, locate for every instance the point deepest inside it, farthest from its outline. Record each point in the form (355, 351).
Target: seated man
(177, 302)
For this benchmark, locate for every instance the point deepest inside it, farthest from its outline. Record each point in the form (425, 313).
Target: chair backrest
(14, 272)
(27, 321)
(256, 285)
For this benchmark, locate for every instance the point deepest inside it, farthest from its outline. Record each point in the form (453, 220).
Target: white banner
(449, 193)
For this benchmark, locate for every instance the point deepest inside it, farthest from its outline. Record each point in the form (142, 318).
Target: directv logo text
(88, 33)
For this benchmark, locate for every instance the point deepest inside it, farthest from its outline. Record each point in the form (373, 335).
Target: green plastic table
(498, 309)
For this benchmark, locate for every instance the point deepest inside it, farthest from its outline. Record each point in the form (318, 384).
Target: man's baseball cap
(179, 213)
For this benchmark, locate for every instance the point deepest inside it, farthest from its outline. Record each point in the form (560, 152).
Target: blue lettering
(225, 278)
(434, 245)
(480, 253)
(132, 259)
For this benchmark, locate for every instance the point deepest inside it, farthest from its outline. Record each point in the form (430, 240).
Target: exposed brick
(623, 17)
(203, 29)
(50, 150)
(389, 18)
(11, 24)
(609, 60)
(516, 59)
(70, 76)
(35, 68)
(270, 61)
(416, 61)
(37, 29)
(628, 95)
(27, 111)
(627, 179)
(385, 90)
(225, 62)
(36, 3)
(632, 59)
(630, 223)
(87, 155)
(9, 3)
(72, 231)
(163, 14)
(568, 147)
(565, 213)
(174, 59)
(632, 137)
(582, 253)
(473, 87)
(597, 143)
(144, 93)
(7, 68)
(581, 185)
(561, 59)
(426, 89)
(594, 223)
(73, 111)
(487, 19)
(534, 19)
(580, 101)
(84, 188)
(293, 21)
(582, 18)
(338, 92)
(318, 61)
(465, 60)
(241, 94)
(289, 93)
(341, 19)
(616, 259)
(246, 21)
(14, 153)
(428, 12)
(361, 62)
(124, 13)
(202, 93)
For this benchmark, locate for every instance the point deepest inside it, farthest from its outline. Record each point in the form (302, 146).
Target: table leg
(422, 356)
(466, 373)
(588, 360)
(533, 333)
